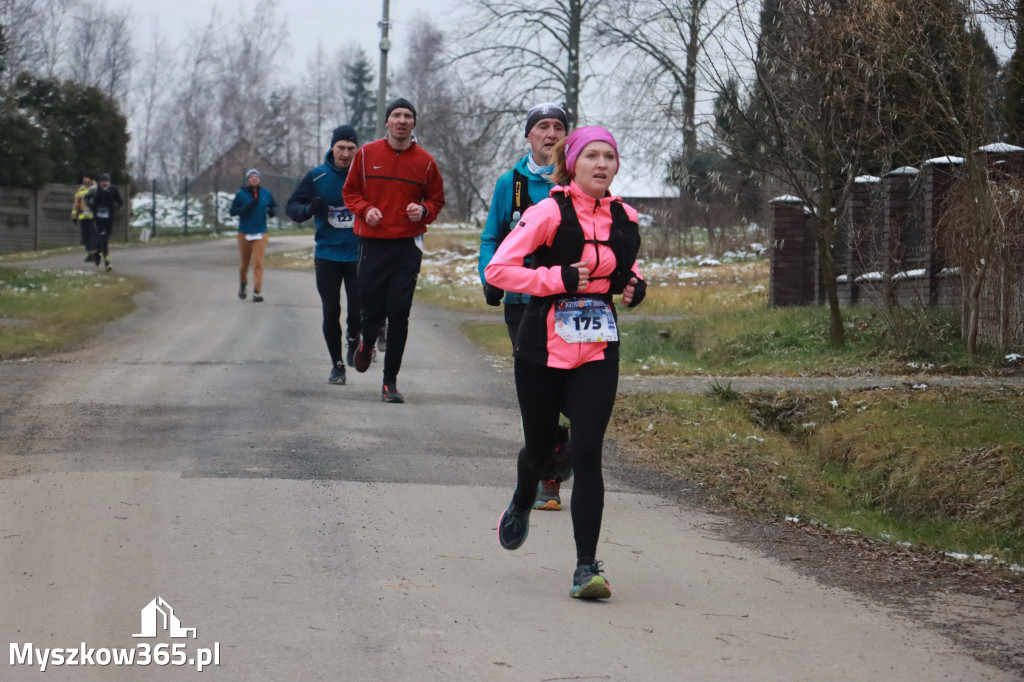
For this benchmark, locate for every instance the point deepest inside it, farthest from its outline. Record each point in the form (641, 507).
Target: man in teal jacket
(516, 190)
(253, 205)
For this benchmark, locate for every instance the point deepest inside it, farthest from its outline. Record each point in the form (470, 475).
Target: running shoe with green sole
(588, 583)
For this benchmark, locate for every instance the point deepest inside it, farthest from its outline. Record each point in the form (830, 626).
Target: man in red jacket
(394, 190)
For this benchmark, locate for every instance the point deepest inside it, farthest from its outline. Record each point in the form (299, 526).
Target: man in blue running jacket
(336, 256)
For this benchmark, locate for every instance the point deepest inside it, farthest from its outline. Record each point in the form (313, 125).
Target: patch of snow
(945, 160)
(786, 199)
(870, 277)
(1014, 357)
(842, 278)
(709, 263)
(866, 179)
(834, 403)
(1000, 148)
(909, 274)
(793, 519)
(903, 170)
(920, 387)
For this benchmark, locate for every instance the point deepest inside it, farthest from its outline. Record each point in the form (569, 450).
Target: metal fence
(184, 208)
(32, 219)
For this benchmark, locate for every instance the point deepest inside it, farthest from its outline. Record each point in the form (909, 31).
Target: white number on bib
(585, 320)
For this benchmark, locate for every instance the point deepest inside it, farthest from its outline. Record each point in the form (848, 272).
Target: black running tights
(330, 275)
(586, 395)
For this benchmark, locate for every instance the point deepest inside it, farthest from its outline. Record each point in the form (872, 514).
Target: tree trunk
(836, 330)
(974, 307)
(572, 72)
(690, 82)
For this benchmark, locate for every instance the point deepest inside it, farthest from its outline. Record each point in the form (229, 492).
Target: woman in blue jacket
(336, 256)
(253, 205)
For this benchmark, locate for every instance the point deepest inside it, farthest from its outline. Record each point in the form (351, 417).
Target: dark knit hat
(344, 132)
(105, 178)
(546, 110)
(400, 103)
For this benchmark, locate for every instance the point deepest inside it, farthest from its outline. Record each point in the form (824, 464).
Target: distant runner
(253, 205)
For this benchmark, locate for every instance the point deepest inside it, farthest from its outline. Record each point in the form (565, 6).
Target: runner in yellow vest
(81, 213)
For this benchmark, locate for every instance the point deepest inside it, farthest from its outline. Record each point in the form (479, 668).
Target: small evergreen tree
(80, 127)
(360, 99)
(23, 158)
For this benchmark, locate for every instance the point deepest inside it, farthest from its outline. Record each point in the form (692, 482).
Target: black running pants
(330, 276)
(104, 227)
(388, 270)
(586, 395)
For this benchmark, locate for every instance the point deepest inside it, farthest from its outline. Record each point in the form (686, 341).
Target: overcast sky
(333, 22)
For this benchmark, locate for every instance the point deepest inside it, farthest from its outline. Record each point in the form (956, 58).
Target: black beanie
(400, 103)
(344, 132)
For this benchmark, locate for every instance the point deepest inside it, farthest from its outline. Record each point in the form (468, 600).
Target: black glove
(639, 292)
(74, 221)
(316, 206)
(271, 213)
(493, 294)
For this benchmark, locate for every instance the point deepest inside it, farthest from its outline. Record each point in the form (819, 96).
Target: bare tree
(54, 24)
(149, 98)
(805, 122)
(527, 51)
(663, 43)
(454, 123)
(188, 129)
(247, 72)
(980, 240)
(954, 111)
(22, 21)
(101, 53)
(117, 56)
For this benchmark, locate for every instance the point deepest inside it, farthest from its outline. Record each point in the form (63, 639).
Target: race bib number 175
(585, 320)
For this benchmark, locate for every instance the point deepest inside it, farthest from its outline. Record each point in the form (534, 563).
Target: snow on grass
(170, 211)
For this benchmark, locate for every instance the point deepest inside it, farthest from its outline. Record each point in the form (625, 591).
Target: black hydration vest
(567, 246)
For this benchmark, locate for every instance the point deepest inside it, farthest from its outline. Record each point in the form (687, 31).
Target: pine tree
(360, 100)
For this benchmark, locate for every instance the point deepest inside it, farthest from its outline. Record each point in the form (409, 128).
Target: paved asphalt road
(194, 452)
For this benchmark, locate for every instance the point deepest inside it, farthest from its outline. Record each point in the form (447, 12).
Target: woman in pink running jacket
(581, 244)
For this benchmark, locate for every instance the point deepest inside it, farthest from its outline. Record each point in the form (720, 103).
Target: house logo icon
(158, 615)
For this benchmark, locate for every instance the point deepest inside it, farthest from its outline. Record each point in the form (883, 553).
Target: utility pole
(382, 78)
